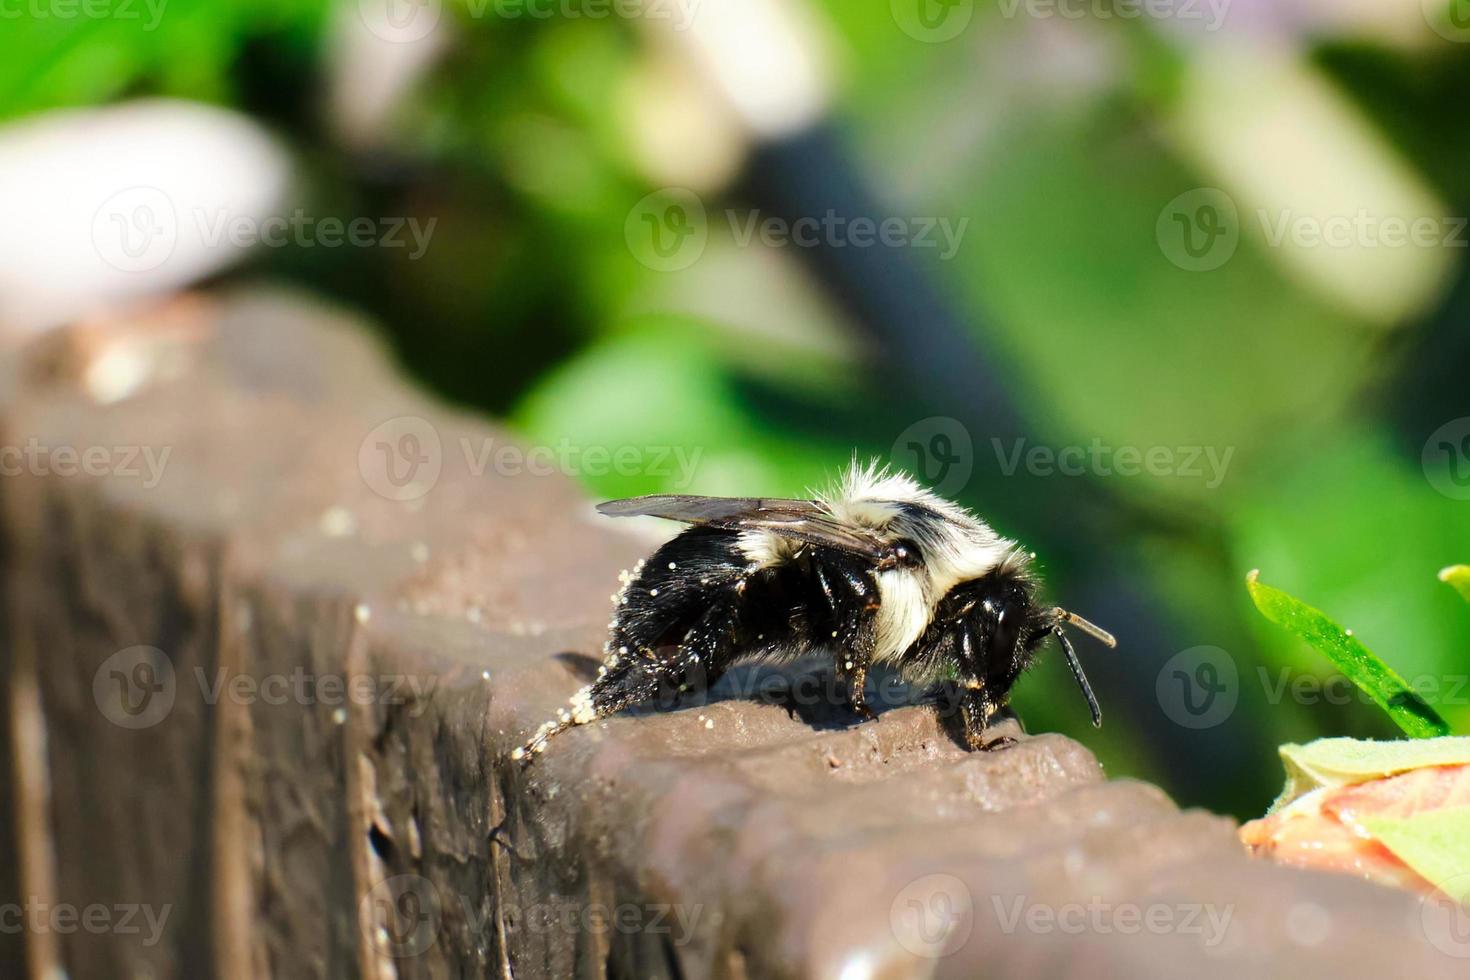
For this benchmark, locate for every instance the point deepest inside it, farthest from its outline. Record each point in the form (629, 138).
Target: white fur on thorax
(957, 546)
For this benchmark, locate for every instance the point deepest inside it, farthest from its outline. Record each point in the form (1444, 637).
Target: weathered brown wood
(733, 840)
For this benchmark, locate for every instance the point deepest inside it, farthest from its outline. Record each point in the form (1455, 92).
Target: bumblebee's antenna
(1094, 631)
(1076, 666)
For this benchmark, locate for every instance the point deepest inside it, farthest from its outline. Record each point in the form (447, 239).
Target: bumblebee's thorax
(951, 548)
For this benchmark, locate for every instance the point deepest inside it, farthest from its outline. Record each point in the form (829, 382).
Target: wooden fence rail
(272, 620)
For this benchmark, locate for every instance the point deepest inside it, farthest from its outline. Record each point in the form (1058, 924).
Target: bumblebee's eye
(1006, 619)
(1008, 628)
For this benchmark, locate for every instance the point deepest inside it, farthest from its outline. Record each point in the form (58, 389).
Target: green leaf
(1459, 577)
(1378, 680)
(1435, 843)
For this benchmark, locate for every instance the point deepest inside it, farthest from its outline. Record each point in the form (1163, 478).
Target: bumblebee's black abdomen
(700, 603)
(669, 591)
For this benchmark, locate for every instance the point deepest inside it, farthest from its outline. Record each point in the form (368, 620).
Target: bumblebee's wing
(800, 520)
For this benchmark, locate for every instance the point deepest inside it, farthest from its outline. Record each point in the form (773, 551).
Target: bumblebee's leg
(578, 715)
(640, 673)
(851, 597)
(976, 739)
(971, 703)
(967, 713)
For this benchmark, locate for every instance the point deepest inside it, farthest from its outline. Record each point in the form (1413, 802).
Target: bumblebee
(877, 571)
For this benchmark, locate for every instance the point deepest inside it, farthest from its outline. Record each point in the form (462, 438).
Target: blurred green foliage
(531, 305)
(54, 55)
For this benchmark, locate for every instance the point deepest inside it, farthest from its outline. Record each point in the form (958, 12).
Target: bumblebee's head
(1013, 625)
